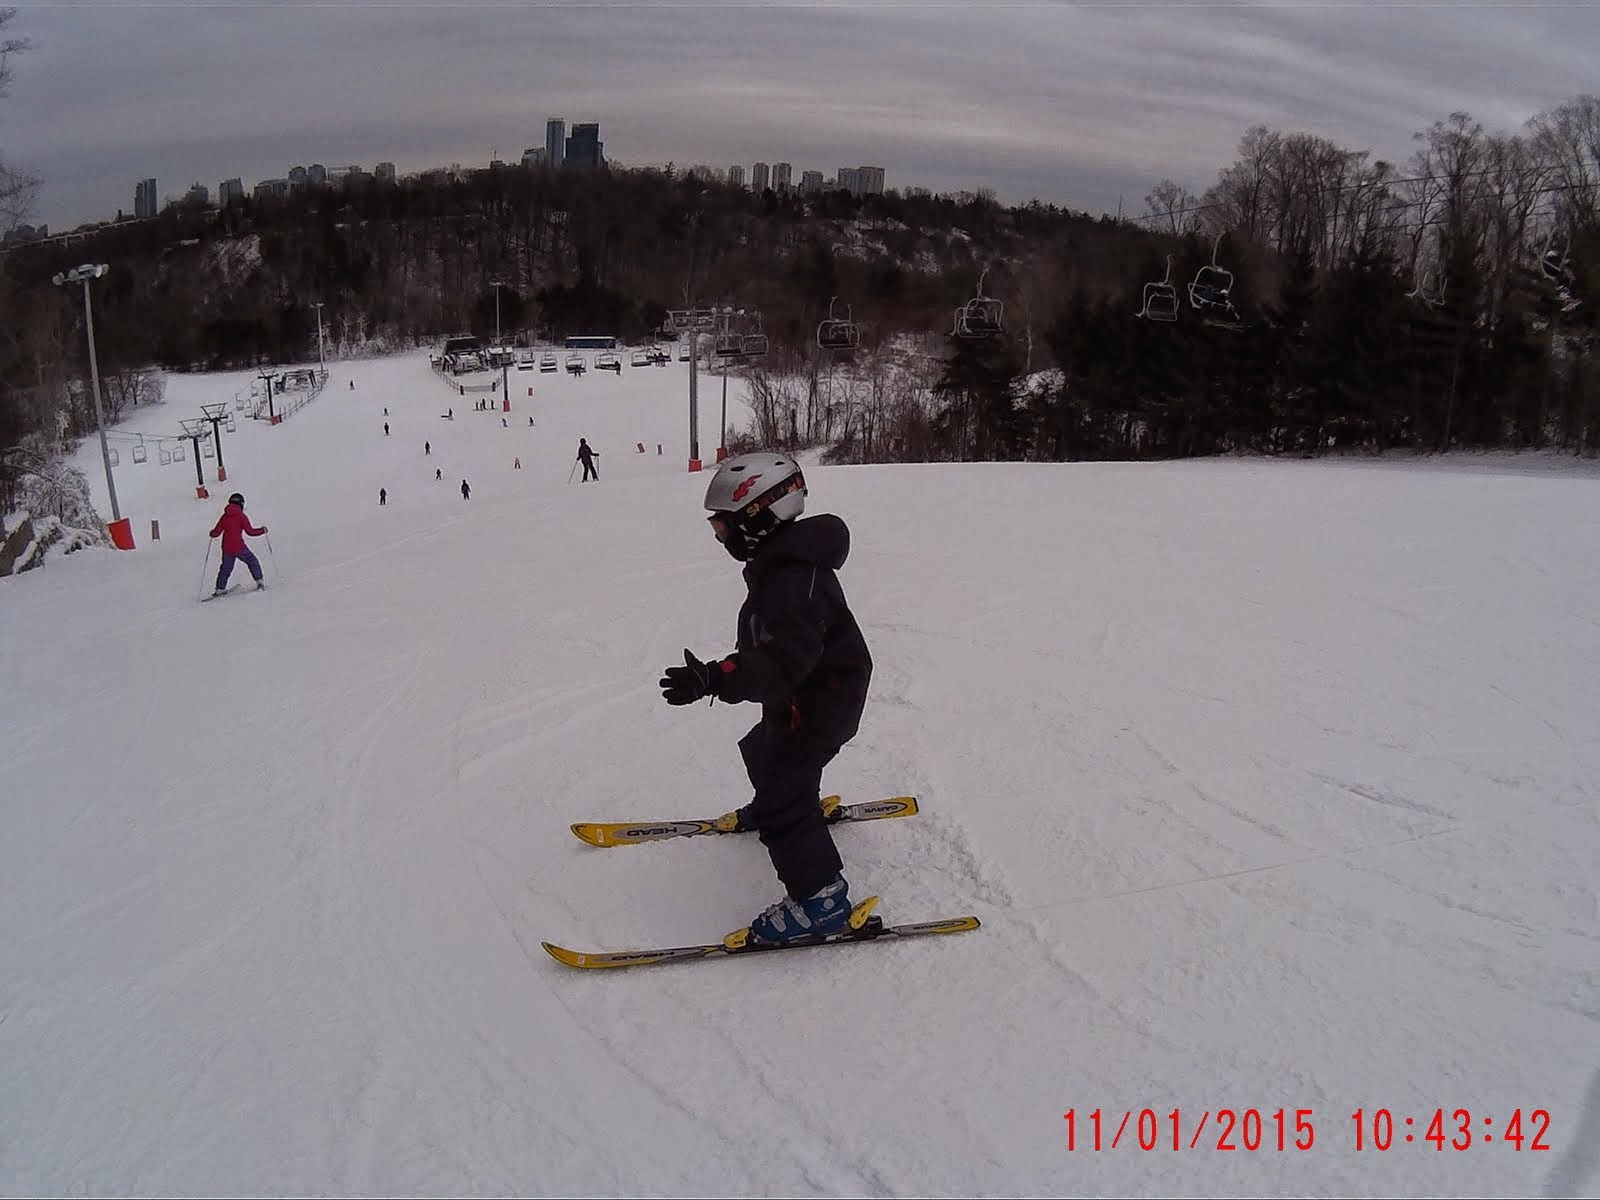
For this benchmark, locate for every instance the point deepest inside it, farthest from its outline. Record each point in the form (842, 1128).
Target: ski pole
(204, 567)
(572, 472)
(273, 559)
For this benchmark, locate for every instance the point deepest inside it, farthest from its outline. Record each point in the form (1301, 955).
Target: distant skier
(427, 447)
(231, 527)
(438, 474)
(383, 497)
(801, 656)
(385, 407)
(587, 456)
(466, 492)
(516, 464)
(353, 388)
(530, 422)
(503, 424)
(386, 429)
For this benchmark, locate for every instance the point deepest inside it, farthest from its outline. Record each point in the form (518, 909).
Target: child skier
(801, 656)
(231, 528)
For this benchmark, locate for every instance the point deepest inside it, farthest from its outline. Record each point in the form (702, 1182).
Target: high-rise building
(870, 180)
(736, 175)
(198, 194)
(384, 172)
(760, 177)
(533, 156)
(782, 173)
(584, 147)
(144, 198)
(317, 175)
(555, 142)
(272, 189)
(850, 180)
(297, 177)
(230, 190)
(811, 182)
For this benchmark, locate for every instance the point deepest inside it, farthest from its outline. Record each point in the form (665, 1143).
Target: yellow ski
(871, 929)
(623, 833)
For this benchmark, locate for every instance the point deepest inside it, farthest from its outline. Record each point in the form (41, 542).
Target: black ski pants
(787, 809)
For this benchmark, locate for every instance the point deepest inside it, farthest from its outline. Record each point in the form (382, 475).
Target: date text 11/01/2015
(1251, 1129)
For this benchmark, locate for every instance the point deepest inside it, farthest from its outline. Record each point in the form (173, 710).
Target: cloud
(1076, 104)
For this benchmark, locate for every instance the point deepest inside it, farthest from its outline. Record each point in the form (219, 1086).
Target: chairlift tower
(216, 414)
(194, 429)
(693, 322)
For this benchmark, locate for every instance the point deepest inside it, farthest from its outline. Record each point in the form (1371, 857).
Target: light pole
(497, 284)
(321, 362)
(121, 530)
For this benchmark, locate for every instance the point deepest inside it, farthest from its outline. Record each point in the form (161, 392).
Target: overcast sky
(1075, 104)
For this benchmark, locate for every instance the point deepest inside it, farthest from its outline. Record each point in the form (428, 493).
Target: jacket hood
(821, 541)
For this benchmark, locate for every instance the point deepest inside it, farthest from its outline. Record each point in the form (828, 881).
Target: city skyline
(1081, 107)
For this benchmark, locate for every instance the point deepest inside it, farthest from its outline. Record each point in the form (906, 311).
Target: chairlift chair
(1557, 268)
(979, 318)
(838, 333)
(231, 425)
(207, 449)
(1160, 299)
(659, 355)
(547, 364)
(608, 362)
(1420, 292)
(140, 454)
(1208, 292)
(575, 364)
(179, 453)
(163, 455)
(639, 358)
(684, 352)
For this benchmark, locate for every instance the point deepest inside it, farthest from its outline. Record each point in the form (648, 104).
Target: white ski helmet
(752, 495)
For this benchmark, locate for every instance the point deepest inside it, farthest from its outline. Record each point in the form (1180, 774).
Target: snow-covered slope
(1274, 785)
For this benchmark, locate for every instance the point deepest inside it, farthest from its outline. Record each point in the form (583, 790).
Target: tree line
(1446, 301)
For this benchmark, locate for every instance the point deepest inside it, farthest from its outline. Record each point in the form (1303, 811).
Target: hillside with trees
(1445, 302)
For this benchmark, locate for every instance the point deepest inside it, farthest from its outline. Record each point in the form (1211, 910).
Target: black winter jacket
(800, 654)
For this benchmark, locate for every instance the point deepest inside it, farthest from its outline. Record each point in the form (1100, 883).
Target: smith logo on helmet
(743, 490)
(793, 484)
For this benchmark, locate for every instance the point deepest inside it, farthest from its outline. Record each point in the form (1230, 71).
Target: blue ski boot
(828, 911)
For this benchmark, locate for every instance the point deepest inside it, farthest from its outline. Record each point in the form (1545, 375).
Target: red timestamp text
(1224, 1129)
(1458, 1129)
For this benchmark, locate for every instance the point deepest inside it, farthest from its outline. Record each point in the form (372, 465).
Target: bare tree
(1171, 208)
(18, 188)
(1567, 140)
(131, 387)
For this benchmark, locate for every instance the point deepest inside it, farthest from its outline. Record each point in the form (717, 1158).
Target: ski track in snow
(1272, 784)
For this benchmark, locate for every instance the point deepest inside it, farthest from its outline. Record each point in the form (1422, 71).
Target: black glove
(688, 683)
